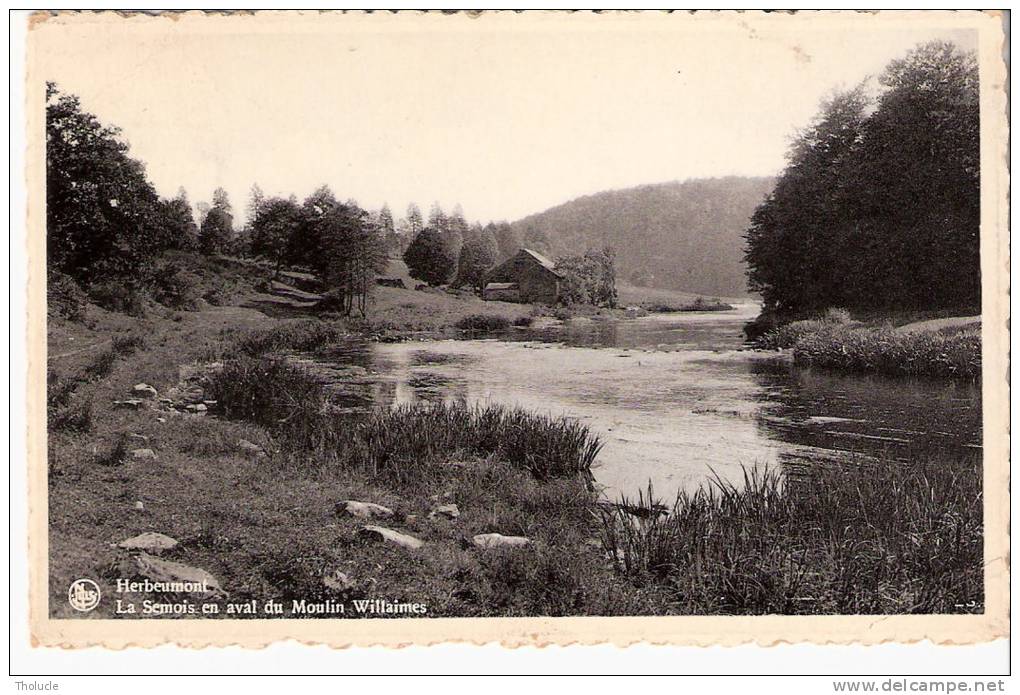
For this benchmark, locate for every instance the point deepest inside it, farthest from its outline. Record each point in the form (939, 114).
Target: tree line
(879, 205)
(106, 223)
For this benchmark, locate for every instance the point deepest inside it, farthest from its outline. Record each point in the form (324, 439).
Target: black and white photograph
(421, 315)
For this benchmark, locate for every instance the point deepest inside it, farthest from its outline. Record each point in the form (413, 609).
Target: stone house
(528, 277)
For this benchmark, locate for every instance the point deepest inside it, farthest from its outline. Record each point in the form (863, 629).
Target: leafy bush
(175, 287)
(121, 295)
(74, 417)
(838, 315)
(125, 345)
(483, 322)
(64, 297)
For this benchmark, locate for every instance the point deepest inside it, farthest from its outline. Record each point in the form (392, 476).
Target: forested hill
(679, 235)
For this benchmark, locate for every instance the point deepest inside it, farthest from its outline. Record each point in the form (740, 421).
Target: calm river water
(673, 396)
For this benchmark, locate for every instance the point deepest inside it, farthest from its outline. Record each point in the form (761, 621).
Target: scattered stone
(496, 540)
(143, 454)
(161, 419)
(411, 519)
(139, 437)
(338, 581)
(176, 573)
(364, 510)
(196, 408)
(140, 506)
(129, 404)
(209, 404)
(450, 511)
(149, 542)
(251, 448)
(380, 533)
(144, 391)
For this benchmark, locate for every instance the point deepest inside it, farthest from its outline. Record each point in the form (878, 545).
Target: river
(674, 397)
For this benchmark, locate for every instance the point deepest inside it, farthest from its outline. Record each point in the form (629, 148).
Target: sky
(505, 115)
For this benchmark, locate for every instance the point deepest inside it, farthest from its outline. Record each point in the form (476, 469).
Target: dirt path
(935, 324)
(84, 348)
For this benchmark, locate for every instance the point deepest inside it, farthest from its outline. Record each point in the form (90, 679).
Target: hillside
(679, 235)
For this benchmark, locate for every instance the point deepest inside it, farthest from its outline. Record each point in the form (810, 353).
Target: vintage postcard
(392, 328)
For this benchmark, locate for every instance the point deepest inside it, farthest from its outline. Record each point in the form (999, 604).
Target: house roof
(542, 260)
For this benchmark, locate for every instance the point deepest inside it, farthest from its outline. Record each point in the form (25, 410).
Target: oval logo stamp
(83, 595)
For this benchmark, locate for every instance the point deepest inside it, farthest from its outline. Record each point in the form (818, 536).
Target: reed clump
(952, 352)
(857, 538)
(302, 336)
(293, 403)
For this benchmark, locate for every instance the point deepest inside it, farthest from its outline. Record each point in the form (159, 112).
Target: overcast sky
(504, 117)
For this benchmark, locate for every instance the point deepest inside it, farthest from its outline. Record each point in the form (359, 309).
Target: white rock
(129, 404)
(450, 511)
(380, 533)
(496, 540)
(364, 510)
(197, 408)
(251, 448)
(143, 454)
(149, 542)
(338, 581)
(166, 571)
(140, 506)
(144, 391)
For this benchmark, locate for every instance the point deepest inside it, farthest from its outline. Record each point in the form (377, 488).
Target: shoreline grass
(857, 538)
(699, 304)
(293, 403)
(953, 352)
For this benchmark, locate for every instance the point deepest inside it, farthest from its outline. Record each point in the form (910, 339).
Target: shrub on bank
(483, 322)
(699, 304)
(64, 297)
(856, 538)
(302, 336)
(176, 288)
(121, 295)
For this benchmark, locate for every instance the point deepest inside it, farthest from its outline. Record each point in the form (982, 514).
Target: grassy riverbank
(250, 490)
(928, 349)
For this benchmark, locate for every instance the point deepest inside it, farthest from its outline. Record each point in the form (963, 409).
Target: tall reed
(860, 538)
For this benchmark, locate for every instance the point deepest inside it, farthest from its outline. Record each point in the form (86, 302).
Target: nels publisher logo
(83, 595)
